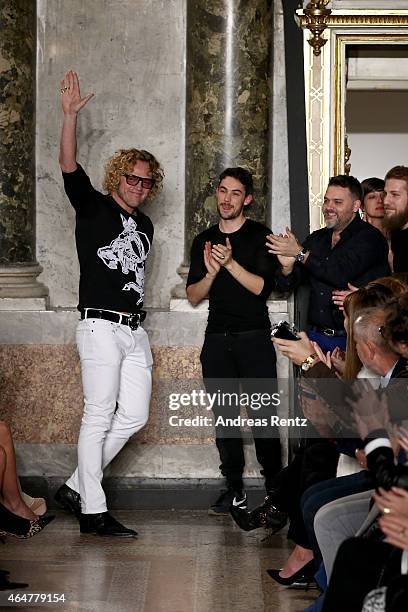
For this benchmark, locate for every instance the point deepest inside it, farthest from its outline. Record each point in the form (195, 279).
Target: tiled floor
(182, 562)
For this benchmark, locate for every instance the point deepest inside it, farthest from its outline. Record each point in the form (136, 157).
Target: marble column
(228, 101)
(18, 266)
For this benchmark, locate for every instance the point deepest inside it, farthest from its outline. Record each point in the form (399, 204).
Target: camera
(285, 331)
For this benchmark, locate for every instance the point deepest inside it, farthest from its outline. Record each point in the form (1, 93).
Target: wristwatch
(301, 255)
(308, 362)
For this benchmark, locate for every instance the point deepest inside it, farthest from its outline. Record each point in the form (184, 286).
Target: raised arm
(71, 103)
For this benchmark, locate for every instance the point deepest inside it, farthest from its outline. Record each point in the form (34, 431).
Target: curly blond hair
(123, 161)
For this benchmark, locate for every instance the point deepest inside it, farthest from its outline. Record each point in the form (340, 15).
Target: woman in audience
(373, 203)
(16, 518)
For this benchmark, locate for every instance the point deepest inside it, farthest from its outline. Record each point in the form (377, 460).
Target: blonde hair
(123, 161)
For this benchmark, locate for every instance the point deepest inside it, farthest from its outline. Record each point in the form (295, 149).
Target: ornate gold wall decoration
(326, 84)
(316, 15)
(347, 155)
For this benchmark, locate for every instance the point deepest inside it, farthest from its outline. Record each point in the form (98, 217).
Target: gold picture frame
(325, 88)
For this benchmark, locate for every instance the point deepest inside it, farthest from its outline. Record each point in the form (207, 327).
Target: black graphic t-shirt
(232, 307)
(112, 247)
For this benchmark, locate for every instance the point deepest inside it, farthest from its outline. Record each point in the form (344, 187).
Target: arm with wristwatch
(288, 250)
(301, 352)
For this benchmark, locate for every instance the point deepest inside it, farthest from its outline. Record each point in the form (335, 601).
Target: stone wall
(138, 76)
(131, 54)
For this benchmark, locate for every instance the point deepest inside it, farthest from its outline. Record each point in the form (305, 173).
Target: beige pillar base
(20, 289)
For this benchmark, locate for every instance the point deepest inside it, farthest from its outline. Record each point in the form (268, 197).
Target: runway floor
(182, 561)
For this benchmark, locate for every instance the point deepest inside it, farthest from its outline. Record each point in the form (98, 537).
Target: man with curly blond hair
(113, 240)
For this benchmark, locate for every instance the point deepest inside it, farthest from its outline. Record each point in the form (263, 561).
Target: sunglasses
(133, 180)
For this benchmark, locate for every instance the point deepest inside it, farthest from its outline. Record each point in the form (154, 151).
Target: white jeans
(116, 365)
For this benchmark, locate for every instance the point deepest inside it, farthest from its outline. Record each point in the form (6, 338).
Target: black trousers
(314, 461)
(360, 566)
(231, 363)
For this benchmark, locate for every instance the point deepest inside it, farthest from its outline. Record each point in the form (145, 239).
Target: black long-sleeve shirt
(360, 256)
(232, 307)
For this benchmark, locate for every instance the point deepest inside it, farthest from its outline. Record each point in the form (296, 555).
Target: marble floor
(183, 561)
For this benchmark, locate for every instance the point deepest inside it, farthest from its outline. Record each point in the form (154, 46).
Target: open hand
(338, 296)
(71, 100)
(222, 253)
(370, 409)
(394, 500)
(395, 527)
(283, 246)
(338, 359)
(316, 410)
(324, 357)
(402, 437)
(212, 265)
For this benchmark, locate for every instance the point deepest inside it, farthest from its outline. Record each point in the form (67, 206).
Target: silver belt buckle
(328, 331)
(134, 321)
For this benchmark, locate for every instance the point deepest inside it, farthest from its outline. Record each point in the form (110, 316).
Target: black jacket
(360, 256)
(380, 461)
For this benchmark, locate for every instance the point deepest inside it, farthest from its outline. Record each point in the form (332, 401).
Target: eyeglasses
(133, 180)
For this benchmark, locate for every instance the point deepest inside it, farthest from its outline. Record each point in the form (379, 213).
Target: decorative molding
(315, 16)
(358, 20)
(347, 155)
(317, 85)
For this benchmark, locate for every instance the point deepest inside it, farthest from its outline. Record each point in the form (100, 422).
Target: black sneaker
(224, 502)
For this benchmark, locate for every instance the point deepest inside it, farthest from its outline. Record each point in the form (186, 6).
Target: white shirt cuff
(376, 444)
(404, 562)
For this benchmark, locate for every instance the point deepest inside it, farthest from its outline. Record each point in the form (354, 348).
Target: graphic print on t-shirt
(129, 250)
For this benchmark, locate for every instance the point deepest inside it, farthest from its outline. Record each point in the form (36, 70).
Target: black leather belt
(132, 320)
(329, 331)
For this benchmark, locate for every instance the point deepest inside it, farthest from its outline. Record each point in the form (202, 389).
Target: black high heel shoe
(6, 585)
(303, 578)
(266, 515)
(18, 527)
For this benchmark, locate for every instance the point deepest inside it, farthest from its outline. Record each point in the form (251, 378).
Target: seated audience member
(343, 517)
(299, 561)
(396, 324)
(281, 500)
(375, 293)
(347, 250)
(16, 518)
(373, 205)
(363, 564)
(396, 215)
(325, 491)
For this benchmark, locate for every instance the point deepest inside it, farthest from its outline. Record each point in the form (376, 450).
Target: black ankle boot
(18, 527)
(266, 515)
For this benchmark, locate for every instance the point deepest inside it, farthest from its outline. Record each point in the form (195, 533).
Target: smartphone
(284, 331)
